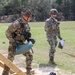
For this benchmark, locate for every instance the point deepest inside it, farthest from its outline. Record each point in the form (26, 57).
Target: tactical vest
(49, 28)
(21, 32)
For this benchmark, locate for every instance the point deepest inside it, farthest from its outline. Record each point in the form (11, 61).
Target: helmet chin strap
(26, 19)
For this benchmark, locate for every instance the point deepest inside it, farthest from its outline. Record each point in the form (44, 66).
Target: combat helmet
(53, 11)
(27, 12)
(52, 73)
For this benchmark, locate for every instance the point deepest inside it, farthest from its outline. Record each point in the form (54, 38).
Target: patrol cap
(27, 12)
(53, 11)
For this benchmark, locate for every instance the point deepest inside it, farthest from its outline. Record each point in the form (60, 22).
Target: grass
(41, 47)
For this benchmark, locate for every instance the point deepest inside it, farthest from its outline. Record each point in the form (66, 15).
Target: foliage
(40, 8)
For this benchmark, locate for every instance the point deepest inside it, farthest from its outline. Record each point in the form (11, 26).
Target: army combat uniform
(15, 33)
(52, 32)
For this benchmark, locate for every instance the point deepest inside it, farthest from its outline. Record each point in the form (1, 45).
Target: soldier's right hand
(57, 24)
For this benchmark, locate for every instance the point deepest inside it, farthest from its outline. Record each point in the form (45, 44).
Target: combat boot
(5, 71)
(52, 60)
(28, 72)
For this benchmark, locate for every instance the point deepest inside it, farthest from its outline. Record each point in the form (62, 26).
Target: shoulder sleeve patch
(15, 24)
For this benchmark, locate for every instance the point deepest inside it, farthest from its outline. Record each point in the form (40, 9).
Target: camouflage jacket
(15, 31)
(52, 27)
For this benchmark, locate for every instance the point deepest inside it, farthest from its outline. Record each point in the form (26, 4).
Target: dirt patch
(41, 70)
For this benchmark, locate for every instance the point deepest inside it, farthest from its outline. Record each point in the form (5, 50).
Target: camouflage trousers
(53, 43)
(11, 56)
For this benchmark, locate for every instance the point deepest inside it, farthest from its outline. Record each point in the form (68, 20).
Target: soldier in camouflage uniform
(14, 33)
(52, 32)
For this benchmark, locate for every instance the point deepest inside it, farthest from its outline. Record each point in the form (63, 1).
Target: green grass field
(41, 47)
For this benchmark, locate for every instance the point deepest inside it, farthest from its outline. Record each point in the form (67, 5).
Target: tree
(73, 8)
(66, 8)
(40, 9)
(59, 4)
(12, 7)
(2, 4)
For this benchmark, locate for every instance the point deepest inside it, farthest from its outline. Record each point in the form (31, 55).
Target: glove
(32, 40)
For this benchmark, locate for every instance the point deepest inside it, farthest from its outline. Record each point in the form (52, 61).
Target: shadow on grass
(47, 67)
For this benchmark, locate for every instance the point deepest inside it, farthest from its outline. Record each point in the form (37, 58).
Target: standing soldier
(17, 33)
(52, 32)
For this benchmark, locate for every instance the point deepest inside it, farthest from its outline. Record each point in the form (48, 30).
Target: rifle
(27, 36)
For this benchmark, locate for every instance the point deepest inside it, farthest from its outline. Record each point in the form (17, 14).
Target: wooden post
(2, 65)
(11, 65)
